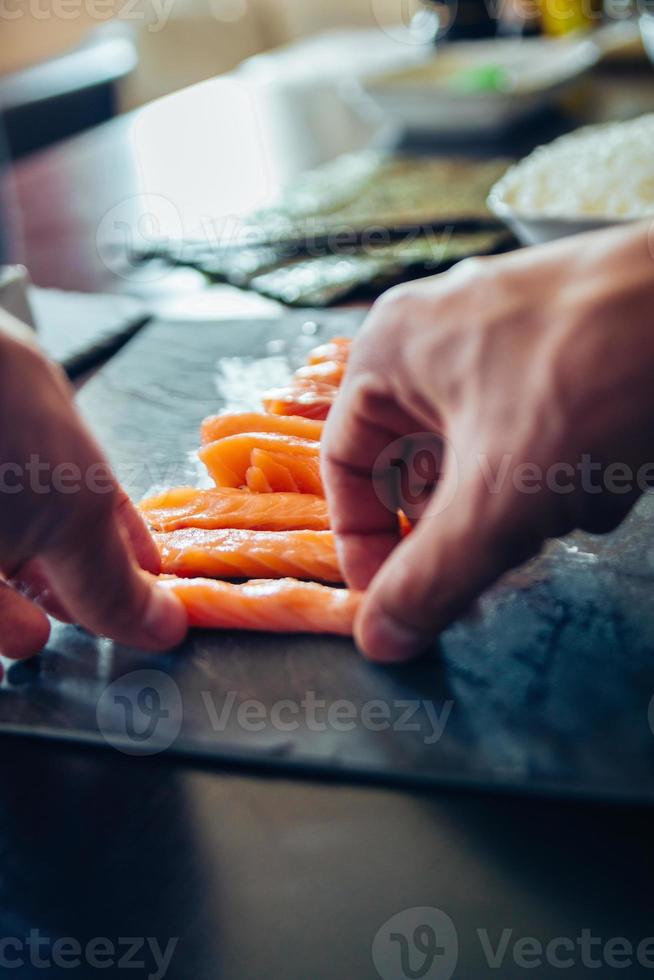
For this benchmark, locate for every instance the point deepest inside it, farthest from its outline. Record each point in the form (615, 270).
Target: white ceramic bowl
(647, 34)
(422, 99)
(535, 229)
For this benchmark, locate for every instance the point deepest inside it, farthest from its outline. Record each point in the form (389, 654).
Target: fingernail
(165, 620)
(385, 640)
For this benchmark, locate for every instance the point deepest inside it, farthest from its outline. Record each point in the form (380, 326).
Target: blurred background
(149, 48)
(108, 56)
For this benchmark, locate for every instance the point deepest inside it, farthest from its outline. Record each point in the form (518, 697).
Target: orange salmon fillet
(219, 426)
(269, 472)
(224, 507)
(257, 481)
(336, 349)
(276, 606)
(229, 553)
(289, 463)
(326, 372)
(290, 473)
(310, 399)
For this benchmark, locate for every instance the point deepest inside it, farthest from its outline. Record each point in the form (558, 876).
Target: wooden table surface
(258, 876)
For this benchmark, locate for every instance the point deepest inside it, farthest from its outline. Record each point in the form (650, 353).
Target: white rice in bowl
(604, 171)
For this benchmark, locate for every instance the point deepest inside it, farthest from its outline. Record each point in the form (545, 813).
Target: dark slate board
(547, 687)
(80, 329)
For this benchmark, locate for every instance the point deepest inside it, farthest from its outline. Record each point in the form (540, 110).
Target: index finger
(362, 423)
(32, 580)
(95, 576)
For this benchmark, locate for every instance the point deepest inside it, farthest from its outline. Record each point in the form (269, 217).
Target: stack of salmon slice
(314, 387)
(265, 520)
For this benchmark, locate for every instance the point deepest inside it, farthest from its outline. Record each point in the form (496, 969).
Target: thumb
(434, 574)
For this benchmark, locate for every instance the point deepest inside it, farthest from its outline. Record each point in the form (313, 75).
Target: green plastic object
(484, 78)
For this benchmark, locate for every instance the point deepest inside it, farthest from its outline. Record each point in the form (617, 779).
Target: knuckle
(365, 390)
(394, 300)
(471, 267)
(390, 311)
(382, 339)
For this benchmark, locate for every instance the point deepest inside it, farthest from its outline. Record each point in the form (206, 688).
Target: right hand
(71, 542)
(511, 367)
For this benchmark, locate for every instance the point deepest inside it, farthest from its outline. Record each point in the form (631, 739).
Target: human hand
(71, 542)
(527, 381)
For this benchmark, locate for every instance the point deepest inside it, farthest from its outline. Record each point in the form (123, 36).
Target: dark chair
(68, 94)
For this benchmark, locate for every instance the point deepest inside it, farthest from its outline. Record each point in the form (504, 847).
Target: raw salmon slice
(336, 349)
(227, 553)
(289, 473)
(224, 507)
(310, 399)
(276, 606)
(267, 471)
(257, 481)
(326, 372)
(229, 459)
(221, 426)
